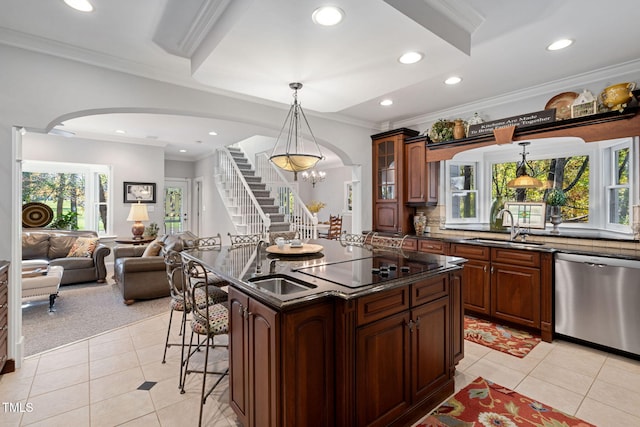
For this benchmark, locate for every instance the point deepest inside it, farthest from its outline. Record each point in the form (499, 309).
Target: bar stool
(209, 318)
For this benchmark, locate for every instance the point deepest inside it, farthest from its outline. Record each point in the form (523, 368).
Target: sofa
(79, 252)
(140, 271)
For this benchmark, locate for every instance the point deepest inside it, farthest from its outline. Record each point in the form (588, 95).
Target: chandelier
(314, 177)
(290, 154)
(524, 180)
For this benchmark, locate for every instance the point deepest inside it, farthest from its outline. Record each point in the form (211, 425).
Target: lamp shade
(138, 212)
(524, 181)
(290, 153)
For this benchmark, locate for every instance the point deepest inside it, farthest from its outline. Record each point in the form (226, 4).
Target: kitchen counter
(340, 271)
(608, 248)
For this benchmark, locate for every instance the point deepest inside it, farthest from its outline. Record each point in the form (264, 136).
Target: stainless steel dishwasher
(597, 299)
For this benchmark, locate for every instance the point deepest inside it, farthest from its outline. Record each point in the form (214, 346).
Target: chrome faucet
(261, 243)
(515, 228)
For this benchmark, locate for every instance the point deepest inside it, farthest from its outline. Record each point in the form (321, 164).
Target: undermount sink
(512, 243)
(280, 285)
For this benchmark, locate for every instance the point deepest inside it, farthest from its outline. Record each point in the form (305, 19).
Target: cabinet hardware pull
(1, 305)
(410, 325)
(485, 268)
(492, 269)
(417, 322)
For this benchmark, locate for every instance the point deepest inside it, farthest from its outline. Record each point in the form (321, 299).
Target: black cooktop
(368, 271)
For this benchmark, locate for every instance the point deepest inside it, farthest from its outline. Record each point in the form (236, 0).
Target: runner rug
(483, 403)
(501, 338)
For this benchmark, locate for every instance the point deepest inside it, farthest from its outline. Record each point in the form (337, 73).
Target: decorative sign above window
(522, 121)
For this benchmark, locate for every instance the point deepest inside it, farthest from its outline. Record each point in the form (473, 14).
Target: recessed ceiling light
(183, 151)
(120, 131)
(81, 5)
(560, 44)
(410, 58)
(327, 16)
(453, 80)
(213, 133)
(386, 102)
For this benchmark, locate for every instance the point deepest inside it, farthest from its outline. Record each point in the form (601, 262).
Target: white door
(176, 205)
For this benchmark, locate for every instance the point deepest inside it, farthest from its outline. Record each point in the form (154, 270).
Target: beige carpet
(81, 311)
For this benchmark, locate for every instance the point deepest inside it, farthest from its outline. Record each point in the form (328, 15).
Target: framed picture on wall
(143, 192)
(348, 197)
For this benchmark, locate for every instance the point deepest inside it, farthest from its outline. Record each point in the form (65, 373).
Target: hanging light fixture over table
(524, 180)
(291, 155)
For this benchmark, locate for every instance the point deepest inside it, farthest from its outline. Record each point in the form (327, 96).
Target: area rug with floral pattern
(487, 404)
(501, 338)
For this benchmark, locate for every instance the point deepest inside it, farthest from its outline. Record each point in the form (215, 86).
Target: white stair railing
(236, 191)
(289, 200)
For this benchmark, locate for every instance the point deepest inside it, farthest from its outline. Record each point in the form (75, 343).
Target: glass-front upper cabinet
(386, 162)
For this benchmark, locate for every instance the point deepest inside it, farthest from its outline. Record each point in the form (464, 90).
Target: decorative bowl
(617, 96)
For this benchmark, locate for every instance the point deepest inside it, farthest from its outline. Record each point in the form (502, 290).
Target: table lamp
(138, 213)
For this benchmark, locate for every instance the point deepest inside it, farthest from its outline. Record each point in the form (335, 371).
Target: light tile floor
(94, 382)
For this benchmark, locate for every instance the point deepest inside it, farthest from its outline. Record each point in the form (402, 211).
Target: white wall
(132, 163)
(179, 169)
(330, 192)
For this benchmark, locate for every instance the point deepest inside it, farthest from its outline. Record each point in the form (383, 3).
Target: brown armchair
(140, 271)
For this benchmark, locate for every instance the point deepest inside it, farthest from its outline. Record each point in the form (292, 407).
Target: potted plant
(67, 221)
(152, 230)
(441, 131)
(556, 198)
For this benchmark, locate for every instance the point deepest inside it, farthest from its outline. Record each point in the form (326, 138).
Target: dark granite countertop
(337, 271)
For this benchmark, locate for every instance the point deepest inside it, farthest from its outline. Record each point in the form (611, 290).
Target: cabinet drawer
(470, 251)
(514, 256)
(429, 290)
(382, 304)
(4, 297)
(431, 246)
(410, 244)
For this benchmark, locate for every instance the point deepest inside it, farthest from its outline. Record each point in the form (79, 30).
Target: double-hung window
(618, 171)
(463, 192)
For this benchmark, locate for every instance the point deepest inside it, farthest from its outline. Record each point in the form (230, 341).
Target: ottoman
(42, 281)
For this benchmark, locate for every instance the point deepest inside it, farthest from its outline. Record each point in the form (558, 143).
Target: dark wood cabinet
(5, 364)
(390, 213)
(282, 364)
(254, 360)
(507, 285)
(457, 315)
(476, 281)
(422, 177)
(403, 350)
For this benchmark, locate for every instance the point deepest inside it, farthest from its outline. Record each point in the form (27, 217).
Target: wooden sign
(522, 121)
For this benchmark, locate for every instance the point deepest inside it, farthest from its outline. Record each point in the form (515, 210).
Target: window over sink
(598, 179)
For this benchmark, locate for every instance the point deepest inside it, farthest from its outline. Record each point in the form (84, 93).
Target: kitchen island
(349, 336)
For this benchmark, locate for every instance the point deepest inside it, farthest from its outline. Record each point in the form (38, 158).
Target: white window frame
(90, 171)
(600, 178)
(451, 193)
(609, 171)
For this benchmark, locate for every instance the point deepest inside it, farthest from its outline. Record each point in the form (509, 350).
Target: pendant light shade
(524, 180)
(290, 153)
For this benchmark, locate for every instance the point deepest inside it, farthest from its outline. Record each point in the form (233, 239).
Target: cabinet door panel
(416, 172)
(387, 216)
(515, 294)
(457, 313)
(382, 370)
(239, 355)
(308, 366)
(476, 286)
(431, 348)
(264, 370)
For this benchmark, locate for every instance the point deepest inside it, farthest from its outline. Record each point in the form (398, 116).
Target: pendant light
(290, 154)
(524, 180)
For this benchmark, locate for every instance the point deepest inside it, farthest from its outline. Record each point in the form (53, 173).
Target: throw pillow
(83, 247)
(153, 249)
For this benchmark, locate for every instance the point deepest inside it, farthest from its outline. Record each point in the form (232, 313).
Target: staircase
(260, 191)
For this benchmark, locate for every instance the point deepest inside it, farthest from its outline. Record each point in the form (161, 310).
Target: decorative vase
(556, 219)
(459, 131)
(419, 222)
